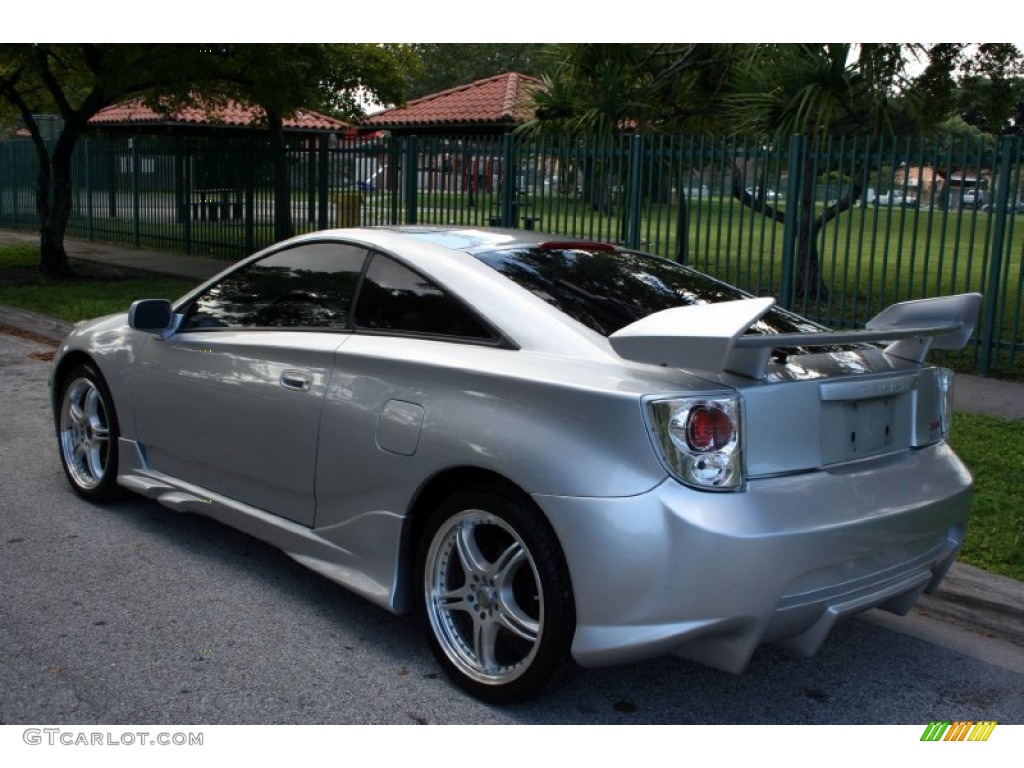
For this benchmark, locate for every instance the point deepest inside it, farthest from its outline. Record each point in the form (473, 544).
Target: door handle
(300, 380)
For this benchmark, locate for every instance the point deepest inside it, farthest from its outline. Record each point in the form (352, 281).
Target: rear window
(608, 290)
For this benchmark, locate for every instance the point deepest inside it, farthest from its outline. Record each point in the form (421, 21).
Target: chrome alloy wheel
(84, 433)
(484, 598)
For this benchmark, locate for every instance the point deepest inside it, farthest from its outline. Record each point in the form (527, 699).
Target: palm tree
(816, 91)
(601, 92)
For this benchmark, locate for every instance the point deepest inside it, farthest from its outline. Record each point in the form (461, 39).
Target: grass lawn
(100, 290)
(993, 448)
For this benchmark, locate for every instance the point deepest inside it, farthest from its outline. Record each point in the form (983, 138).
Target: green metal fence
(925, 217)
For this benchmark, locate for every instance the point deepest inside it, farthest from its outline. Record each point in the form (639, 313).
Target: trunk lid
(820, 410)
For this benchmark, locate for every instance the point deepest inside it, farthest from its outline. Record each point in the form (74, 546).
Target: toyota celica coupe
(555, 452)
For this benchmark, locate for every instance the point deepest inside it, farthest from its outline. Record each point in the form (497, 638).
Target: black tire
(494, 594)
(87, 434)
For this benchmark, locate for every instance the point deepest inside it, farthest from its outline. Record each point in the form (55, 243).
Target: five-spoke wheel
(87, 431)
(496, 595)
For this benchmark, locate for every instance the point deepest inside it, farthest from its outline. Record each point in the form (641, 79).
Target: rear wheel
(496, 596)
(87, 434)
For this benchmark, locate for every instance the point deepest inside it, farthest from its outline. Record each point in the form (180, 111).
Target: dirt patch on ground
(10, 330)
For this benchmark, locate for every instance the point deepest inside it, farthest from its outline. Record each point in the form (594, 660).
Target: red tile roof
(232, 114)
(498, 100)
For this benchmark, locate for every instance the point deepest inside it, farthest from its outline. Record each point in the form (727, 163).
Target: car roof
(469, 239)
(445, 255)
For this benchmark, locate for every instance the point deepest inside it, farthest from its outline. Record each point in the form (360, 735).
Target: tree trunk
(683, 228)
(283, 228)
(54, 181)
(801, 214)
(809, 283)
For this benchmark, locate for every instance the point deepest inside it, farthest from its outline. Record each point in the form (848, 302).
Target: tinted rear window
(608, 290)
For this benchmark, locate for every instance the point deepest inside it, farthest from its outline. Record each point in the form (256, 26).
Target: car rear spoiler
(710, 337)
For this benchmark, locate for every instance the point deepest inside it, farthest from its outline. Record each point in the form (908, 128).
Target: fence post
(410, 179)
(15, 191)
(6, 172)
(394, 178)
(636, 161)
(1000, 199)
(181, 202)
(508, 182)
(112, 180)
(323, 181)
(185, 171)
(133, 151)
(251, 151)
(89, 227)
(797, 152)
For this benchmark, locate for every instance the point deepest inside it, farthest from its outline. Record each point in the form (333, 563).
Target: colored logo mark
(959, 730)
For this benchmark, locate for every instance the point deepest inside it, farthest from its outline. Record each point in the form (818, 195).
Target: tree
(820, 91)
(991, 106)
(601, 90)
(816, 91)
(977, 81)
(604, 88)
(824, 91)
(76, 81)
(282, 78)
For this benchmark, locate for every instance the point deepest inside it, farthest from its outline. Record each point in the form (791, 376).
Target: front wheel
(496, 595)
(87, 434)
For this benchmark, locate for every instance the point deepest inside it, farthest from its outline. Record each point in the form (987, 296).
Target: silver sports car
(554, 451)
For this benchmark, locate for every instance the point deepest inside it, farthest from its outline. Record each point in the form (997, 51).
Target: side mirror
(152, 315)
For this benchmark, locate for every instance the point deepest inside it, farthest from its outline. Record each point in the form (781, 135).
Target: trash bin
(350, 207)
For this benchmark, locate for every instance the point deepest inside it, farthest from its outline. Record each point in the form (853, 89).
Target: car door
(385, 382)
(232, 401)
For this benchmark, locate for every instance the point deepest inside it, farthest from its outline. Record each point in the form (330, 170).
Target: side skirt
(314, 548)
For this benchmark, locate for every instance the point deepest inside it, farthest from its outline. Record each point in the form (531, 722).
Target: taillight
(934, 407)
(708, 428)
(698, 440)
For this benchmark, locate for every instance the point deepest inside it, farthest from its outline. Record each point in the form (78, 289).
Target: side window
(309, 286)
(395, 298)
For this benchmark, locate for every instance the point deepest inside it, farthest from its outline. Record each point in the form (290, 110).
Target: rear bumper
(710, 576)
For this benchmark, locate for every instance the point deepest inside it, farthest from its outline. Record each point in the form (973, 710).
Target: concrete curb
(42, 326)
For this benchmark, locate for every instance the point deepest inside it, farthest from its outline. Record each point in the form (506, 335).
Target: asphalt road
(133, 614)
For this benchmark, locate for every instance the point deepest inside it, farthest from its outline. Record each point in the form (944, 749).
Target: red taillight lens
(698, 439)
(708, 428)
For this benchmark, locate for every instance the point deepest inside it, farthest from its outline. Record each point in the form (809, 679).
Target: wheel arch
(517, 621)
(103, 469)
(426, 499)
(65, 365)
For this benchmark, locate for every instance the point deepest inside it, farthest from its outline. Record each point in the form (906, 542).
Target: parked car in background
(1012, 206)
(764, 194)
(895, 199)
(555, 452)
(974, 198)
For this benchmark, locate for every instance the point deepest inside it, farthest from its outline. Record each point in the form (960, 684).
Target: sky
(524, 21)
